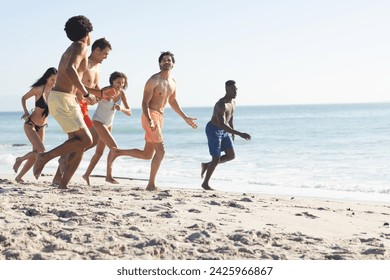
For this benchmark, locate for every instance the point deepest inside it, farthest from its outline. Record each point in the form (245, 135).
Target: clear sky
(278, 51)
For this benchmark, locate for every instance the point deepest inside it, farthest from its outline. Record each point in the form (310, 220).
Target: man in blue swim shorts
(217, 131)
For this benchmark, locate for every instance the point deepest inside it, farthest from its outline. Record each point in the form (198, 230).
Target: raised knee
(231, 156)
(148, 156)
(87, 142)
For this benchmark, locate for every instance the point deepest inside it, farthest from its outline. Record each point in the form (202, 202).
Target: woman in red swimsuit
(35, 123)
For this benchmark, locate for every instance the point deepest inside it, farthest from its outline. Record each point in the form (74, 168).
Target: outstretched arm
(176, 107)
(222, 123)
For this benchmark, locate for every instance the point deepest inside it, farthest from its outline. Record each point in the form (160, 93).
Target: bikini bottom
(37, 127)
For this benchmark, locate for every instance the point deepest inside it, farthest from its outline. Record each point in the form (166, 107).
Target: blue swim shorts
(218, 139)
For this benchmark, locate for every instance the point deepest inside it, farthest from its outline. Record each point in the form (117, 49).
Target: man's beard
(166, 67)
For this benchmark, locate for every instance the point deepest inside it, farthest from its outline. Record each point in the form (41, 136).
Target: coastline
(125, 222)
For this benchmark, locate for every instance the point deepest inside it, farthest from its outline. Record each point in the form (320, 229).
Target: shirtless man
(217, 130)
(62, 100)
(159, 90)
(99, 51)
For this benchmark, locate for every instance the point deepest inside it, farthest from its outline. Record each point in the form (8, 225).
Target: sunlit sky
(278, 51)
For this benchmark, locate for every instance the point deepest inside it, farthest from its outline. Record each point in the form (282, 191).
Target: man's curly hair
(77, 27)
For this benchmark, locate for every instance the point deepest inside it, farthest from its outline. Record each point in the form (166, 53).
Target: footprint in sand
(167, 214)
(63, 213)
(246, 199)
(374, 251)
(235, 205)
(215, 203)
(131, 214)
(307, 215)
(194, 226)
(198, 236)
(241, 237)
(32, 212)
(131, 236)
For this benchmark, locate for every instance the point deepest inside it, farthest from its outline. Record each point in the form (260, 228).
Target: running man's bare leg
(209, 171)
(57, 177)
(74, 160)
(78, 140)
(155, 165)
(209, 167)
(203, 168)
(62, 163)
(146, 153)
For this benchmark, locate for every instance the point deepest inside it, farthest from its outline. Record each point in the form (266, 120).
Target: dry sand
(125, 222)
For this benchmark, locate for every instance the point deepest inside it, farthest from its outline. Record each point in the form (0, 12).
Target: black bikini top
(41, 103)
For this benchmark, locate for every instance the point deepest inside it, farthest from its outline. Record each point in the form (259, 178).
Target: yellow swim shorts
(66, 111)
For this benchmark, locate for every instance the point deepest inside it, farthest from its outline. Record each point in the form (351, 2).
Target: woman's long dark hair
(43, 80)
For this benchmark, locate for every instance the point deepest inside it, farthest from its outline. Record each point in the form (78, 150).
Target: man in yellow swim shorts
(62, 101)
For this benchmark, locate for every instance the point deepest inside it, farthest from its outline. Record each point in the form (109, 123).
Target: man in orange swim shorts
(100, 50)
(159, 90)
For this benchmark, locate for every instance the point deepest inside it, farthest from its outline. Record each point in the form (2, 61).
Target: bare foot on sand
(112, 181)
(203, 169)
(86, 178)
(63, 187)
(62, 164)
(56, 183)
(152, 188)
(17, 163)
(38, 165)
(57, 179)
(207, 187)
(19, 180)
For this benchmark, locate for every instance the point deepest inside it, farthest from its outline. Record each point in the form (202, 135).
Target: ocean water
(328, 151)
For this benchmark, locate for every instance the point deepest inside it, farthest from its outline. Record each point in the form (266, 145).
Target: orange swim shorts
(153, 136)
(84, 110)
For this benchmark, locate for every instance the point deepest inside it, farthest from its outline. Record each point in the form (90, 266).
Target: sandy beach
(124, 222)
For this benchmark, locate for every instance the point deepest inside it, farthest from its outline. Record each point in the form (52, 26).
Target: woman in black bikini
(35, 123)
